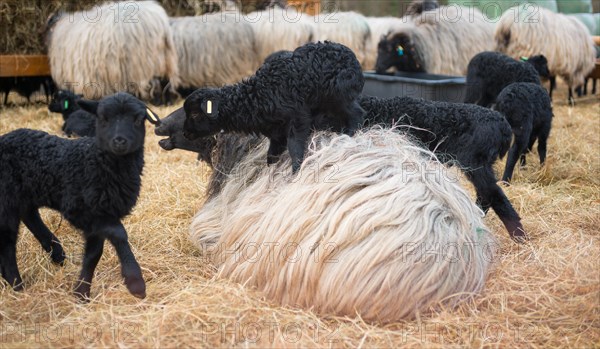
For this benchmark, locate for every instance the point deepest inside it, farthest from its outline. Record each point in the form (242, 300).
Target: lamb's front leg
(94, 245)
(355, 118)
(297, 140)
(277, 145)
(130, 269)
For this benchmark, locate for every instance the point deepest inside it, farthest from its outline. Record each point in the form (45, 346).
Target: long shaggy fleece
(214, 50)
(113, 47)
(444, 40)
(348, 28)
(371, 225)
(532, 30)
(279, 29)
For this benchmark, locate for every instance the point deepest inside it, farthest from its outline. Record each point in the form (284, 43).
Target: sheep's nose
(119, 142)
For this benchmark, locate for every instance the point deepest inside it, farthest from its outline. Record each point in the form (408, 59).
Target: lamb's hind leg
(489, 194)
(518, 148)
(49, 242)
(8, 254)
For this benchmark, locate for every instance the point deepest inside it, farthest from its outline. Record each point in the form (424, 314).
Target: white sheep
(214, 50)
(370, 225)
(529, 30)
(113, 47)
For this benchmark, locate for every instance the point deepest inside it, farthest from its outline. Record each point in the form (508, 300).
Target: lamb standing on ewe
(440, 41)
(134, 38)
(284, 100)
(489, 73)
(473, 136)
(528, 109)
(528, 30)
(92, 182)
(357, 232)
(77, 122)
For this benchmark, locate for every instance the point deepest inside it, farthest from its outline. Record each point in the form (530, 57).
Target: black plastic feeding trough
(421, 85)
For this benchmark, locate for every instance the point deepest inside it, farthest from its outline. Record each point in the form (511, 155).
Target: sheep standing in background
(77, 122)
(347, 28)
(127, 46)
(284, 101)
(416, 7)
(488, 73)
(528, 109)
(380, 27)
(529, 30)
(472, 136)
(441, 41)
(279, 29)
(92, 182)
(351, 233)
(213, 50)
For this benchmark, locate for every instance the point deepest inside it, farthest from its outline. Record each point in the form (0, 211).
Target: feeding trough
(419, 85)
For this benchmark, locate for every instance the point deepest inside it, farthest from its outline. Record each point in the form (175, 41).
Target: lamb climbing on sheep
(473, 136)
(77, 122)
(92, 182)
(528, 30)
(284, 100)
(528, 109)
(489, 73)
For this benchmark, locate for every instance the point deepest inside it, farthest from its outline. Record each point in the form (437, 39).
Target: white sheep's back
(370, 225)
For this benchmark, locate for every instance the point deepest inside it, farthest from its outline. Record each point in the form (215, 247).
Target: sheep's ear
(210, 107)
(153, 118)
(89, 106)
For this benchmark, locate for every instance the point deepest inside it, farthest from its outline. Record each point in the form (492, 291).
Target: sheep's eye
(138, 120)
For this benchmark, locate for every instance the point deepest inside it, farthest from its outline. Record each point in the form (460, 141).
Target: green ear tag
(524, 59)
(480, 232)
(66, 104)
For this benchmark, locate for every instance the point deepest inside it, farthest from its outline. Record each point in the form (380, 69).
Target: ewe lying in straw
(370, 225)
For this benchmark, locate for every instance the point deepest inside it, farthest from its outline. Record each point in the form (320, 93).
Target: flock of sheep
(352, 215)
(148, 48)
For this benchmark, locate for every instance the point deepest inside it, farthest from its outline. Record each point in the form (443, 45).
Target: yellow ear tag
(153, 118)
(209, 107)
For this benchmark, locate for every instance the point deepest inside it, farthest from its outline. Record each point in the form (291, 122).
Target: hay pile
(22, 22)
(543, 294)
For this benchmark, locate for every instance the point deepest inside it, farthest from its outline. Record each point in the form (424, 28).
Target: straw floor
(543, 294)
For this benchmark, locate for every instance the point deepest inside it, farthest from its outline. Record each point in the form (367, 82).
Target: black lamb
(490, 72)
(528, 109)
(281, 99)
(473, 136)
(92, 182)
(221, 151)
(77, 122)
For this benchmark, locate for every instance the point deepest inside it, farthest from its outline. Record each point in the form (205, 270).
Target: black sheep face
(64, 101)
(399, 52)
(201, 114)
(540, 63)
(119, 122)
